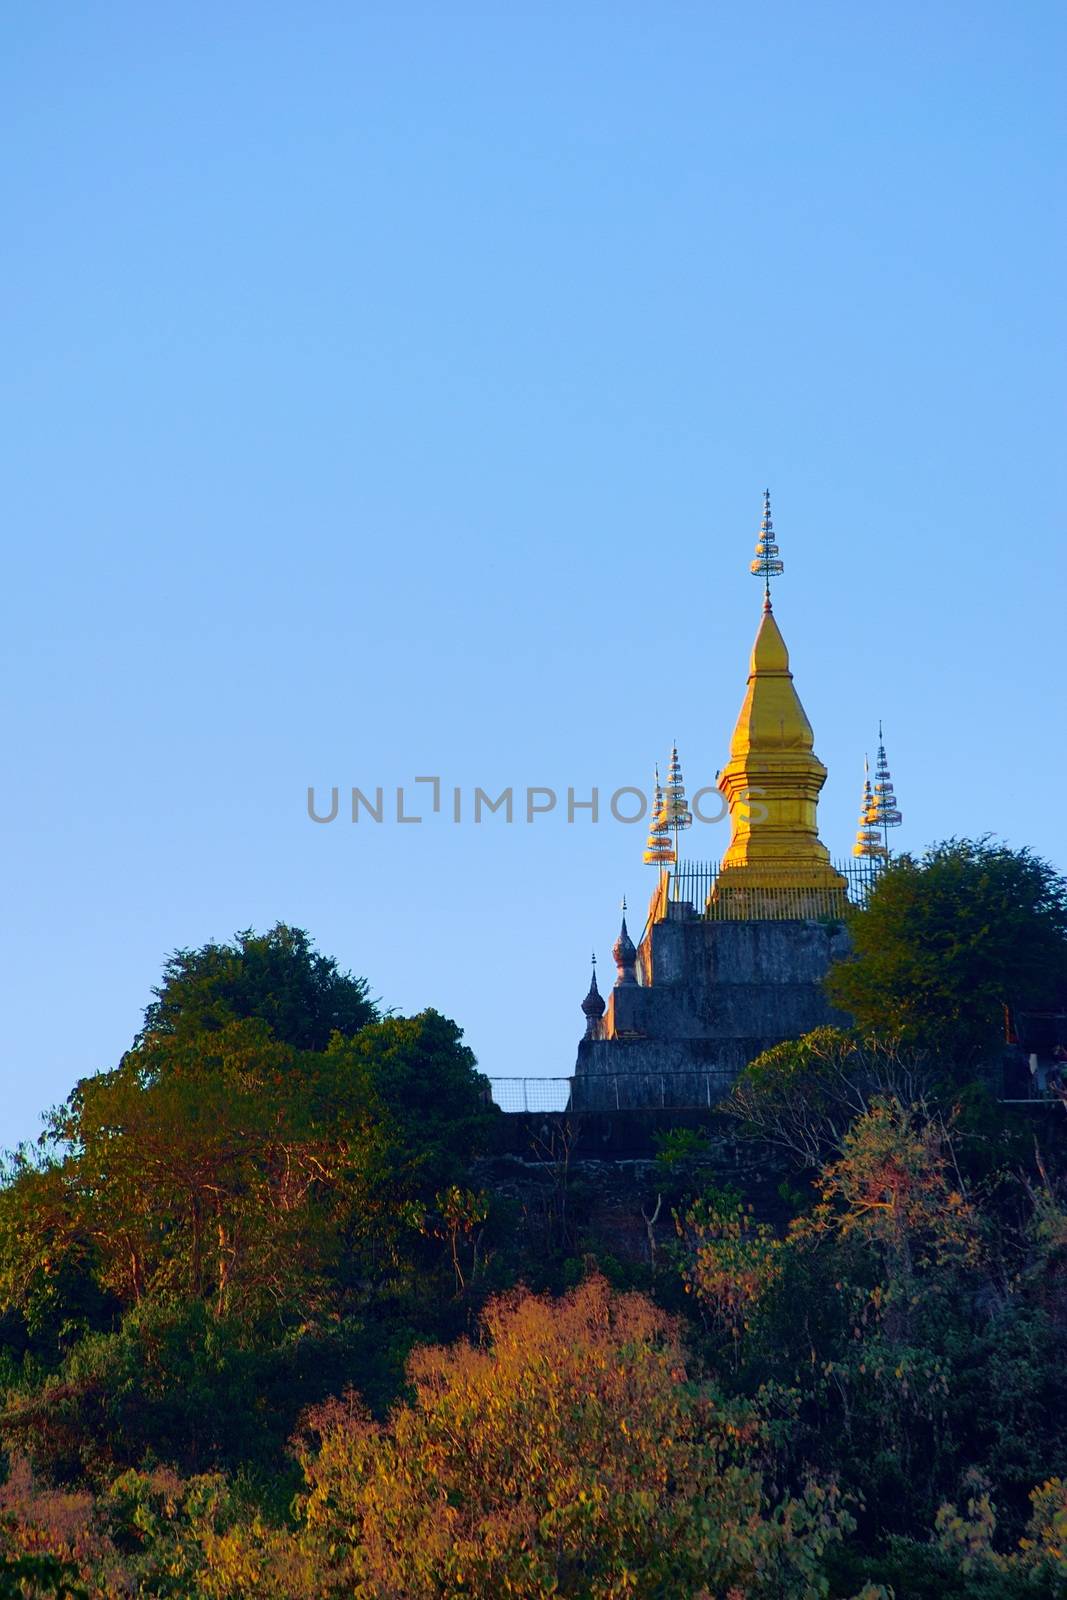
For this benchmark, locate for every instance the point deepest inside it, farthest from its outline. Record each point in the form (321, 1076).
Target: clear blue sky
(389, 390)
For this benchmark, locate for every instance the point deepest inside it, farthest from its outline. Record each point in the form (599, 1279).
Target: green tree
(229, 1167)
(729, 1261)
(222, 1167)
(903, 1327)
(278, 976)
(896, 1189)
(803, 1095)
(945, 941)
(25, 1576)
(427, 1080)
(224, 1178)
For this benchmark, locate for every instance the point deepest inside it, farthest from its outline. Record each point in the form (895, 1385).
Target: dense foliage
(276, 1322)
(949, 939)
(278, 976)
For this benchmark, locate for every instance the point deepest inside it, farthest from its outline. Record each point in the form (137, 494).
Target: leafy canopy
(947, 940)
(302, 995)
(804, 1094)
(231, 1168)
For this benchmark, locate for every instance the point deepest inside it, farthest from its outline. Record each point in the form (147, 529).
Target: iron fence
(696, 884)
(532, 1094)
(694, 1090)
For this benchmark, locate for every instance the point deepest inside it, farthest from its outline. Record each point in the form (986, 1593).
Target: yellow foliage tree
(567, 1455)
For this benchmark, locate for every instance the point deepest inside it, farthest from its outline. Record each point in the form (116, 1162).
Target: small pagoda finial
(868, 839)
(884, 812)
(593, 1006)
(768, 563)
(624, 953)
(658, 850)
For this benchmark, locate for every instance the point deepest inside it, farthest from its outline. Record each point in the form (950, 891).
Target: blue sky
(390, 390)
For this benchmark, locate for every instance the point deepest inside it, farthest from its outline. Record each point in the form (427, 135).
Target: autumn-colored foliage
(730, 1260)
(567, 1454)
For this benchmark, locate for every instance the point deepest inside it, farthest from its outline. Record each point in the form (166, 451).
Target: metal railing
(694, 1090)
(531, 1094)
(696, 884)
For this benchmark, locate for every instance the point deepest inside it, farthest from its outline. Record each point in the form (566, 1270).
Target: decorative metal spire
(659, 851)
(884, 813)
(593, 1006)
(676, 811)
(868, 839)
(768, 563)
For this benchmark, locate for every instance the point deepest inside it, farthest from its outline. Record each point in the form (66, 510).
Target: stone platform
(710, 996)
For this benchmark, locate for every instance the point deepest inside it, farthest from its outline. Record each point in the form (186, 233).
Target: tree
(148, 1533)
(278, 977)
(896, 1188)
(229, 1167)
(455, 1215)
(23, 1576)
(224, 1195)
(568, 1455)
(730, 1261)
(219, 1167)
(945, 941)
(427, 1080)
(863, 1317)
(804, 1094)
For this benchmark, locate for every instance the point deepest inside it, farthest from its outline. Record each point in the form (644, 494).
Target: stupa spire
(776, 863)
(868, 839)
(884, 812)
(659, 851)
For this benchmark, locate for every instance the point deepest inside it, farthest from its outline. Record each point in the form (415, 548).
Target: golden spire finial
(658, 850)
(868, 840)
(884, 812)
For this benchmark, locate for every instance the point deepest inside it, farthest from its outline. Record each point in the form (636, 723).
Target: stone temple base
(713, 995)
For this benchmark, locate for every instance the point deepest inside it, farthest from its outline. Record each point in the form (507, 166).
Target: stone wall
(590, 1183)
(713, 995)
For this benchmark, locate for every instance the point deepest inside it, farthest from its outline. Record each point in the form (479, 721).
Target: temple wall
(713, 996)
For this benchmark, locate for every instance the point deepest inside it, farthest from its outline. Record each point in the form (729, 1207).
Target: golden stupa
(776, 864)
